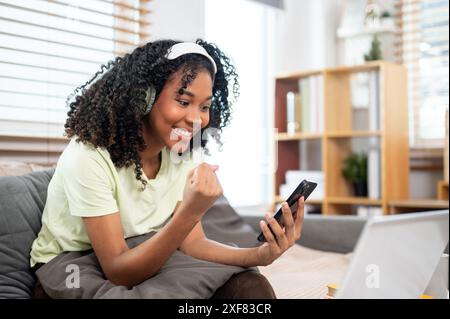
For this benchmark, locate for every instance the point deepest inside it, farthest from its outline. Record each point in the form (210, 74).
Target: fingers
(206, 180)
(279, 232)
(288, 223)
(267, 233)
(300, 215)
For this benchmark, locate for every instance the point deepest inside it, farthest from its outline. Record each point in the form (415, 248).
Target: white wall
(177, 19)
(306, 31)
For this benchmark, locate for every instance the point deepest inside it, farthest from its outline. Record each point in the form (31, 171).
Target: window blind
(422, 47)
(47, 49)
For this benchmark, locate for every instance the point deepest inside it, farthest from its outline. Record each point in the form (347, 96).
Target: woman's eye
(206, 108)
(183, 103)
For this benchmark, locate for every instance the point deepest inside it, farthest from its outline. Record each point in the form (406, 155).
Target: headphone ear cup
(150, 99)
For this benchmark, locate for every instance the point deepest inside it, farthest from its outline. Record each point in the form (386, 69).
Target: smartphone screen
(305, 188)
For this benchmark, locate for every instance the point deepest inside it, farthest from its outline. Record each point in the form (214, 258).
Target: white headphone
(174, 52)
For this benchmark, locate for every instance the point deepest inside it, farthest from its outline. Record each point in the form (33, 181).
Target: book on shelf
(374, 160)
(311, 103)
(373, 169)
(374, 101)
(293, 112)
(321, 105)
(304, 96)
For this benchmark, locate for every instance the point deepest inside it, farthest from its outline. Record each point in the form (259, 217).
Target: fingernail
(267, 216)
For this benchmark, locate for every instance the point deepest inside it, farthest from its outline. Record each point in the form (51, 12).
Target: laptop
(396, 256)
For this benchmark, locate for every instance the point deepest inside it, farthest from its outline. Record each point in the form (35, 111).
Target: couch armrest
(328, 233)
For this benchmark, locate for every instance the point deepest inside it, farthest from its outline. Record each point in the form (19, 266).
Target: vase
(360, 189)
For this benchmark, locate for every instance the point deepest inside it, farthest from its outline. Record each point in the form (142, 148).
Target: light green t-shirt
(86, 183)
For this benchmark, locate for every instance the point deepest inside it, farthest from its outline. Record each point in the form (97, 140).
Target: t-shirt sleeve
(88, 183)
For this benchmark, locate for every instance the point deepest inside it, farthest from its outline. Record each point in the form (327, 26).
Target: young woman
(119, 176)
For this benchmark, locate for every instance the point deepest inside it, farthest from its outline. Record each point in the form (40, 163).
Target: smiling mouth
(182, 132)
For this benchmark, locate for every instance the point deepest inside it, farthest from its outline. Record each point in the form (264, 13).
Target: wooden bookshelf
(338, 133)
(442, 190)
(297, 136)
(416, 205)
(279, 199)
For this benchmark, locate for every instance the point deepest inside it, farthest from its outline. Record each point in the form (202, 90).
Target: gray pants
(79, 275)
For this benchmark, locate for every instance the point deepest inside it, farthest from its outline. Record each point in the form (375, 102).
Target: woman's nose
(193, 118)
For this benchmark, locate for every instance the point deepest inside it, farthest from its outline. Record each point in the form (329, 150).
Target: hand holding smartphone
(305, 188)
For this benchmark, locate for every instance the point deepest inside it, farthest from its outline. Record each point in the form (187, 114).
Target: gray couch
(22, 200)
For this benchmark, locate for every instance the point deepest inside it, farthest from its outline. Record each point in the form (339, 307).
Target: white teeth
(182, 132)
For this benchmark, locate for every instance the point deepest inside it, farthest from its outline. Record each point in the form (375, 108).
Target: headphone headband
(183, 48)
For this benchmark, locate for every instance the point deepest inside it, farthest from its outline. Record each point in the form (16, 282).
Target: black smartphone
(305, 188)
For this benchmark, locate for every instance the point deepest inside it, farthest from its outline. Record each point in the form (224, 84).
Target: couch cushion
(223, 224)
(22, 200)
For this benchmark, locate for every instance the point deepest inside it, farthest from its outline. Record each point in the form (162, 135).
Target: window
(47, 49)
(423, 48)
(247, 139)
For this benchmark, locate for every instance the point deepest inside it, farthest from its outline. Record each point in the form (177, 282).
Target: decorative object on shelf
(372, 18)
(387, 20)
(385, 14)
(360, 20)
(355, 171)
(375, 50)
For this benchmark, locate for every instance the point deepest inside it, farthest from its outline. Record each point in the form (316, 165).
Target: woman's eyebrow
(189, 93)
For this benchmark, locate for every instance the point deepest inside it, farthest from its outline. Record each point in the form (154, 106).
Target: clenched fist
(201, 190)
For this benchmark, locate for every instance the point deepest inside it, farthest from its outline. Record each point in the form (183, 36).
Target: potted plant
(375, 52)
(387, 20)
(355, 171)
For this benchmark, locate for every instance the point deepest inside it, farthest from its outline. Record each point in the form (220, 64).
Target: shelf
(369, 66)
(297, 75)
(442, 190)
(279, 199)
(334, 134)
(416, 205)
(355, 32)
(419, 203)
(349, 134)
(353, 201)
(297, 136)
(443, 184)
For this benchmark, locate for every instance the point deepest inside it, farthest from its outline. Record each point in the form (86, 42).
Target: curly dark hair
(108, 110)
